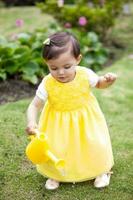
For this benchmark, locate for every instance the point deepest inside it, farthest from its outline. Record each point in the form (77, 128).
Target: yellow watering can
(38, 151)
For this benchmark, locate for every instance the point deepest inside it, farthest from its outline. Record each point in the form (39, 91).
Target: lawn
(122, 35)
(19, 179)
(32, 17)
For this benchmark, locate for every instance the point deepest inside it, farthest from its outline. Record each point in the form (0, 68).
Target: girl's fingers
(31, 130)
(110, 77)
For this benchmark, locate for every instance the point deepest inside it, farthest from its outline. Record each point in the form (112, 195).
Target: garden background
(105, 30)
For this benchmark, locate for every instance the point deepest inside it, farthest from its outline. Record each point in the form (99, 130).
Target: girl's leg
(51, 184)
(103, 180)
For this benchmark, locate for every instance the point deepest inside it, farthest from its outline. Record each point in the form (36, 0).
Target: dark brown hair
(59, 43)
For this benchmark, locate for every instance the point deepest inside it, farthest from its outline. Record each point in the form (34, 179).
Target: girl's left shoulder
(90, 74)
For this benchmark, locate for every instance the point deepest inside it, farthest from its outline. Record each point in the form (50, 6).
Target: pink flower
(82, 21)
(19, 22)
(67, 25)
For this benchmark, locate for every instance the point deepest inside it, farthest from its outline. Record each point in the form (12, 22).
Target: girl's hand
(31, 129)
(106, 80)
(110, 78)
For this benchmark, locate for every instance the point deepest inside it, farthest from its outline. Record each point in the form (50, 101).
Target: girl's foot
(51, 184)
(103, 180)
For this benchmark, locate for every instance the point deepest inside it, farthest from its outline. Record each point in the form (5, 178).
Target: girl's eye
(67, 67)
(53, 68)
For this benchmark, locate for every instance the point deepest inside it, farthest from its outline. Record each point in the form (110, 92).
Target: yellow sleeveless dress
(76, 129)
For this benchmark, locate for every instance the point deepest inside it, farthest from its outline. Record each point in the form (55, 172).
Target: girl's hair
(59, 43)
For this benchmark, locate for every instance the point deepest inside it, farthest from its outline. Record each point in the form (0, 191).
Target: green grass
(19, 179)
(32, 16)
(122, 34)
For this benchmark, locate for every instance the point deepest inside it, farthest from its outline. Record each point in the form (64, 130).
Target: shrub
(22, 57)
(94, 54)
(99, 16)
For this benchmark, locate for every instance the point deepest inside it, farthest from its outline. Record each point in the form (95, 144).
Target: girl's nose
(61, 72)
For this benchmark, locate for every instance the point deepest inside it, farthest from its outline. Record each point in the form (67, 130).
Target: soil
(13, 90)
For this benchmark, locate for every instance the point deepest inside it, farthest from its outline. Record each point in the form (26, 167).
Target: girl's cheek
(54, 74)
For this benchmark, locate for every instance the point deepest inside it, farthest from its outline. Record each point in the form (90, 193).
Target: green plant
(22, 57)
(97, 17)
(94, 53)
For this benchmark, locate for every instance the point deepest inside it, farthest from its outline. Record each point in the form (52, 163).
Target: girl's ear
(79, 58)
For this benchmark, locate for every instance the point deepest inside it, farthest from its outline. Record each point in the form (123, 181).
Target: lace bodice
(68, 96)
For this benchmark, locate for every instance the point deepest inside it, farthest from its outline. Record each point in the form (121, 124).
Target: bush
(94, 54)
(22, 57)
(97, 17)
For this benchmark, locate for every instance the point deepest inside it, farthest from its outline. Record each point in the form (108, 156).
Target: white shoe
(103, 180)
(51, 184)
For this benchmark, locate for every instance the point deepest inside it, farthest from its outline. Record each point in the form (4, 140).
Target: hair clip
(47, 41)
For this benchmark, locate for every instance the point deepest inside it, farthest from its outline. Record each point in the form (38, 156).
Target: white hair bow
(47, 41)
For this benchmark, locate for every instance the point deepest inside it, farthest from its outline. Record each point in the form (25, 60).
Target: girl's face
(63, 68)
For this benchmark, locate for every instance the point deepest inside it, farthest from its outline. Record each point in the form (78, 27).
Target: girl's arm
(32, 114)
(106, 80)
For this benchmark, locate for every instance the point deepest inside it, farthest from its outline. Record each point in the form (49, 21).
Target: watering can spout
(59, 163)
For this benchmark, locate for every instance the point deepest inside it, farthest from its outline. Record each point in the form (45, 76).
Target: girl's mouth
(62, 77)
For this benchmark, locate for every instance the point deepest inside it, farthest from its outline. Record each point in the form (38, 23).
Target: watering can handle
(36, 133)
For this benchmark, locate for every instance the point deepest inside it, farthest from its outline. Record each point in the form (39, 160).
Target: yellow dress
(76, 129)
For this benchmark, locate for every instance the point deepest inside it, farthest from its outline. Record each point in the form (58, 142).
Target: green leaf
(11, 66)
(32, 79)
(6, 52)
(88, 60)
(22, 55)
(100, 59)
(3, 74)
(12, 45)
(97, 47)
(93, 37)
(37, 45)
(24, 38)
(30, 68)
(22, 49)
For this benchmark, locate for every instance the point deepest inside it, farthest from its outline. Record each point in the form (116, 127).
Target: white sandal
(103, 180)
(51, 184)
